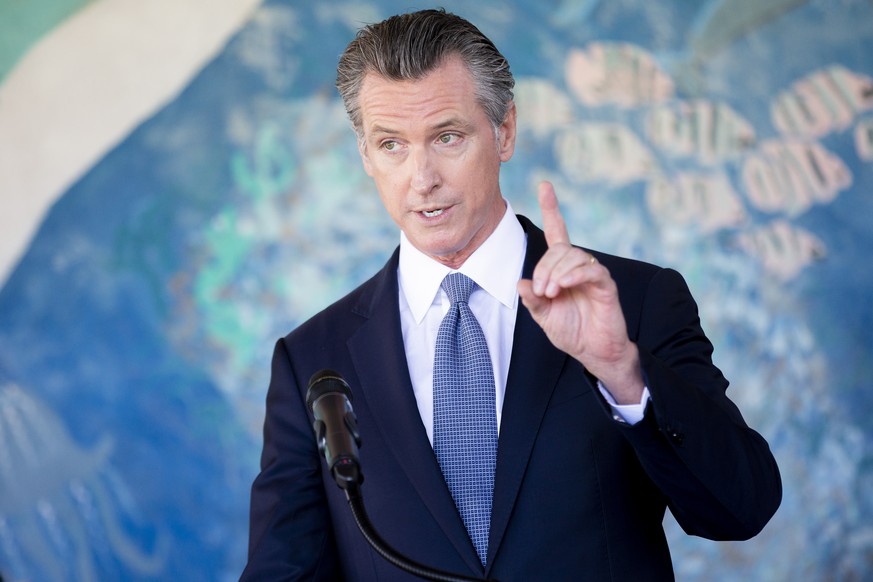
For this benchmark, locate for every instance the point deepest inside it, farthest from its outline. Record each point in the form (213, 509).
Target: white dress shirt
(496, 268)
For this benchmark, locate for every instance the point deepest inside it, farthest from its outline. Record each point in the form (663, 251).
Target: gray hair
(409, 46)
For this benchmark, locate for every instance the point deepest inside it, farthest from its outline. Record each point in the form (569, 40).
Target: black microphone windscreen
(324, 382)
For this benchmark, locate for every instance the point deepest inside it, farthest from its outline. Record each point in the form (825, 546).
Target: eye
(447, 138)
(389, 146)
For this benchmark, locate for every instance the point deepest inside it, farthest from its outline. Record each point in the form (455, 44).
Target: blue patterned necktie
(464, 413)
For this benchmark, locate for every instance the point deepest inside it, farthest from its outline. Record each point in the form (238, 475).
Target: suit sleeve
(718, 475)
(290, 534)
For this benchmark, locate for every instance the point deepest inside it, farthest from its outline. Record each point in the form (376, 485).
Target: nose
(425, 173)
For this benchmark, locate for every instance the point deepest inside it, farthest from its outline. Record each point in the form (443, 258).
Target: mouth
(433, 213)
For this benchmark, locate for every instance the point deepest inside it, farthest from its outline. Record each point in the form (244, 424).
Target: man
(608, 405)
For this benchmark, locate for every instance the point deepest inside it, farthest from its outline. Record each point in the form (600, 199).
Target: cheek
(391, 199)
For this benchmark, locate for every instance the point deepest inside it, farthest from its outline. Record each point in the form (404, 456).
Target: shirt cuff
(626, 413)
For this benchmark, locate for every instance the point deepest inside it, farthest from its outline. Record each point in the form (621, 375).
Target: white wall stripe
(85, 86)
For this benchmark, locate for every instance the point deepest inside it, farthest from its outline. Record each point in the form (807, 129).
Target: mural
(730, 139)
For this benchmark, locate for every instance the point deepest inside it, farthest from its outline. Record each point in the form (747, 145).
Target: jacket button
(677, 437)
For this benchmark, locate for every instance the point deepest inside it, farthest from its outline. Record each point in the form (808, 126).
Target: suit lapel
(534, 369)
(380, 362)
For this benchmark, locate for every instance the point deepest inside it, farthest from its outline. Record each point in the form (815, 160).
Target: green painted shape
(24, 22)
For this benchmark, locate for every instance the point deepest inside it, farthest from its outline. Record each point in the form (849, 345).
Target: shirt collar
(495, 266)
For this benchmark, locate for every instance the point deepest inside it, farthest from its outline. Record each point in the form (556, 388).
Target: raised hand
(575, 300)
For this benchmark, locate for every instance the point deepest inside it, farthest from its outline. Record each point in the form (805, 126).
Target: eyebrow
(452, 122)
(378, 129)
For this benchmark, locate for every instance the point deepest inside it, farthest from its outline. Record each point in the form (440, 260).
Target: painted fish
(784, 250)
(611, 73)
(822, 102)
(708, 131)
(791, 175)
(864, 139)
(542, 106)
(705, 200)
(608, 152)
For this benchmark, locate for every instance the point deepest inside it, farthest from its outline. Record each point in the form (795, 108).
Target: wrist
(624, 379)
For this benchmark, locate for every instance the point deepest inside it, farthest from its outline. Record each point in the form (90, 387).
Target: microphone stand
(356, 503)
(348, 476)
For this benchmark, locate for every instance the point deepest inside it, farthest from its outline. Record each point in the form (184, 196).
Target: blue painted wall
(730, 139)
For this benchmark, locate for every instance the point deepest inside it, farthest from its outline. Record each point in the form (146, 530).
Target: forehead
(447, 91)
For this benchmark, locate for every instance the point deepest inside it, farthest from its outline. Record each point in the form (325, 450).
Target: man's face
(435, 158)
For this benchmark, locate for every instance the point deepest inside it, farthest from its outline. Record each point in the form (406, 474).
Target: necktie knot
(458, 287)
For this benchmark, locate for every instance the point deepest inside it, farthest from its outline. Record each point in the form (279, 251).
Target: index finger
(553, 222)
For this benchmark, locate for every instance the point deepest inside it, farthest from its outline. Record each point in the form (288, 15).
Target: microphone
(329, 398)
(336, 428)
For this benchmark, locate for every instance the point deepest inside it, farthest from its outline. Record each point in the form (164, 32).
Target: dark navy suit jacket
(578, 495)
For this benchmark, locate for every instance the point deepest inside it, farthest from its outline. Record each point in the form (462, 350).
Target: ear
(365, 157)
(506, 134)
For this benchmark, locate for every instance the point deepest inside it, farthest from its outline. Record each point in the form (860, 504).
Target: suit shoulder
(627, 270)
(640, 282)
